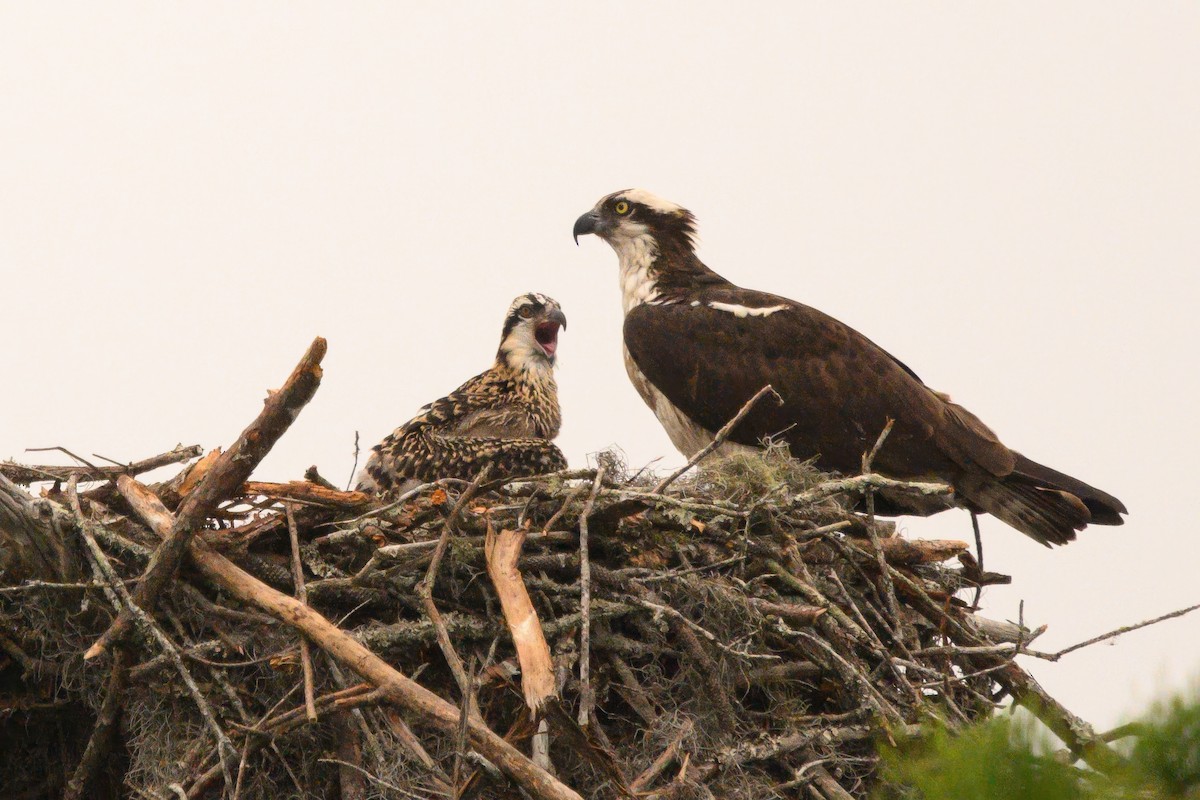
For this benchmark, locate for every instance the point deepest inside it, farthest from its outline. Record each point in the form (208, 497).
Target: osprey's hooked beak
(588, 223)
(556, 315)
(546, 331)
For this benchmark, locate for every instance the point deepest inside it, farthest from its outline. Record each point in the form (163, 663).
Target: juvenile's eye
(525, 312)
(621, 207)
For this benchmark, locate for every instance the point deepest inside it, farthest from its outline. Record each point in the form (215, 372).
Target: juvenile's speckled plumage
(506, 416)
(697, 347)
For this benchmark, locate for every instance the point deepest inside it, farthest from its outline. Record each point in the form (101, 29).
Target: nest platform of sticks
(732, 632)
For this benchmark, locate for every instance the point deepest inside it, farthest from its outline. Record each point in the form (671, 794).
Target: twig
(376, 779)
(353, 469)
(24, 474)
(460, 738)
(720, 437)
(302, 596)
(62, 449)
(587, 697)
(660, 764)
(425, 591)
(1124, 629)
(889, 591)
(667, 611)
(862, 482)
(562, 509)
(28, 586)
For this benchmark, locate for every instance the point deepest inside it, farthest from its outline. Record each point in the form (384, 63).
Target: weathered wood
(33, 540)
(502, 551)
(228, 472)
(907, 552)
(308, 492)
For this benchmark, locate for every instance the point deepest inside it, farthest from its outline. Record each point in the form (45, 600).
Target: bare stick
(1126, 629)
(889, 591)
(227, 473)
(720, 438)
(21, 473)
(354, 468)
(587, 696)
(860, 483)
(562, 509)
(460, 738)
(656, 768)
(308, 492)
(396, 687)
(425, 591)
(302, 596)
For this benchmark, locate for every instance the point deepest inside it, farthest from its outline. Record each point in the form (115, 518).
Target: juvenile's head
(530, 337)
(629, 215)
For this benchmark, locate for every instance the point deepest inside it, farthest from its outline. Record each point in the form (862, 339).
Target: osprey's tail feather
(1104, 508)
(1040, 502)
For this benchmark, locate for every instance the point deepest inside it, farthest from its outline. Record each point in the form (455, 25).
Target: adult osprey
(698, 347)
(505, 416)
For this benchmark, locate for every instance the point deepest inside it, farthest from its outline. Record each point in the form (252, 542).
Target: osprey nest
(733, 631)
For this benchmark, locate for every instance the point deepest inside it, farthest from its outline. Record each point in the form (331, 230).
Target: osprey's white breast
(688, 437)
(636, 252)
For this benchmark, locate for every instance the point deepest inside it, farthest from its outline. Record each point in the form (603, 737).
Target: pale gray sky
(1006, 197)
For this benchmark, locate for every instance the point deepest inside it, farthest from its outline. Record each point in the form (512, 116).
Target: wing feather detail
(838, 387)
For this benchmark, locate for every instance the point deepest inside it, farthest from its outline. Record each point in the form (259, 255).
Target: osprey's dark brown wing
(838, 387)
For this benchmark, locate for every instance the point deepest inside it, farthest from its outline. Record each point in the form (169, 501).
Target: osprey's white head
(650, 235)
(530, 337)
(629, 215)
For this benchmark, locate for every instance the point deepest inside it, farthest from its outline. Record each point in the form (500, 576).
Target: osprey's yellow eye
(621, 207)
(526, 312)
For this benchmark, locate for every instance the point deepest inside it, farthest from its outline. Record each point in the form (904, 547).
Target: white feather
(636, 250)
(652, 201)
(745, 311)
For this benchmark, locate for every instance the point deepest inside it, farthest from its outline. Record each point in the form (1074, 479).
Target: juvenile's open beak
(546, 331)
(588, 223)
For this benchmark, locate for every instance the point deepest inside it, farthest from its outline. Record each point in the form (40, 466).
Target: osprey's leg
(978, 557)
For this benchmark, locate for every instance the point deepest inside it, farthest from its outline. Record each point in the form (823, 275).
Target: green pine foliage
(1008, 757)
(995, 759)
(1167, 754)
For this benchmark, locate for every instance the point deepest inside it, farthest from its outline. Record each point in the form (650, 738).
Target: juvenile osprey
(505, 416)
(698, 347)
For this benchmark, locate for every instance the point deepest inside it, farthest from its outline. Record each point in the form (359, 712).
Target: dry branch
(25, 475)
(503, 551)
(228, 472)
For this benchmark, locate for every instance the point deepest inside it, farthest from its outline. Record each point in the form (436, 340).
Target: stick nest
(746, 640)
